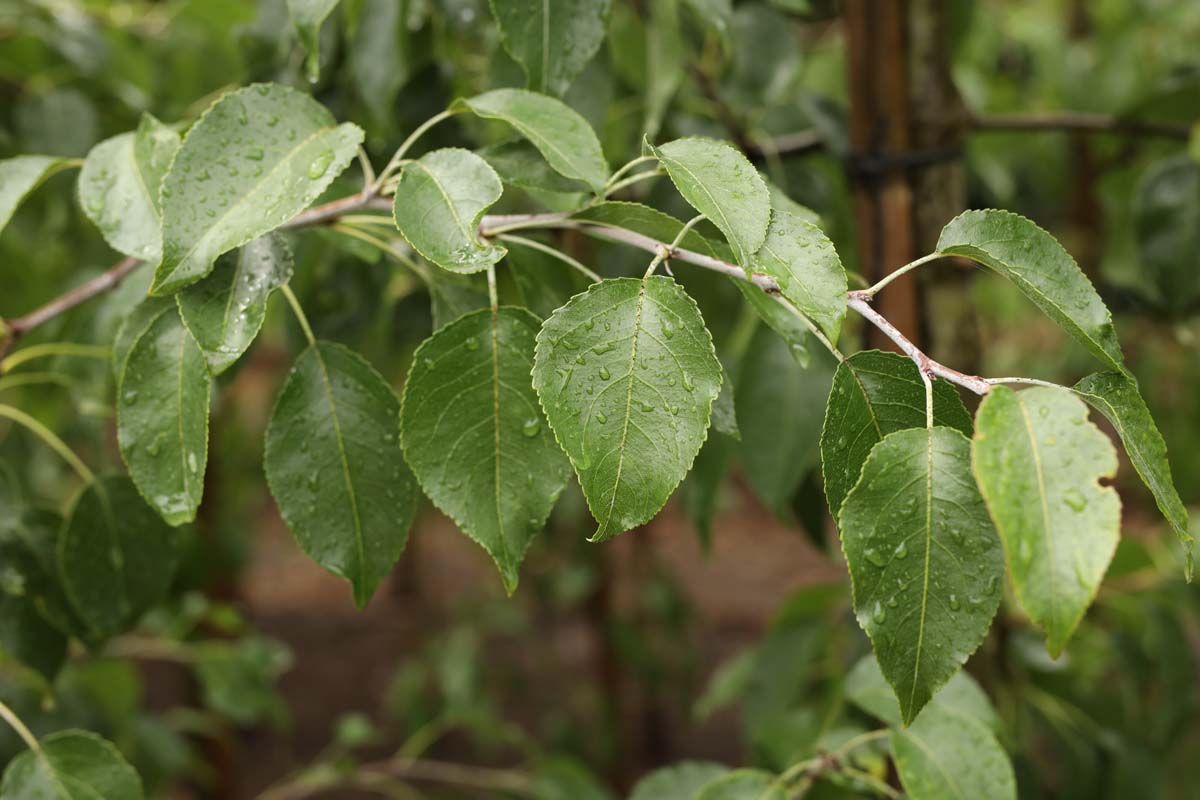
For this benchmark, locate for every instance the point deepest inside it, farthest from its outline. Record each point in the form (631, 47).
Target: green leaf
(627, 376)
(335, 468)
(779, 318)
(438, 204)
(1038, 265)
(238, 678)
(27, 634)
(803, 262)
(781, 203)
(779, 410)
(256, 158)
(701, 490)
(560, 134)
(925, 563)
(679, 781)
(520, 164)
(666, 62)
(742, 784)
(140, 317)
(875, 394)
(119, 184)
(1167, 222)
(453, 294)
(116, 555)
(724, 412)
(542, 283)
(475, 436)
(551, 40)
(869, 690)
(225, 311)
(71, 765)
(720, 183)
(382, 55)
(308, 16)
(21, 175)
(29, 542)
(1039, 462)
(946, 754)
(162, 417)
(1117, 397)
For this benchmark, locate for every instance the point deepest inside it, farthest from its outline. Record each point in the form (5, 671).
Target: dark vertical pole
(877, 44)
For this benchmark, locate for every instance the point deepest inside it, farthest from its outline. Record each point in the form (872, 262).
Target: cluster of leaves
(616, 381)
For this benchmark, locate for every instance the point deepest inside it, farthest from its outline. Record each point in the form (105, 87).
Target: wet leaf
(21, 175)
(552, 41)
(71, 765)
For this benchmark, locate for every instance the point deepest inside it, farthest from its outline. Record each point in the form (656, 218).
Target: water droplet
(875, 557)
(647, 407)
(879, 615)
(255, 154)
(600, 349)
(992, 584)
(1025, 552)
(191, 462)
(901, 550)
(1044, 411)
(674, 411)
(320, 164)
(154, 446)
(602, 418)
(605, 374)
(668, 330)
(531, 427)
(687, 383)
(579, 359)
(955, 605)
(129, 396)
(956, 533)
(472, 343)
(1075, 499)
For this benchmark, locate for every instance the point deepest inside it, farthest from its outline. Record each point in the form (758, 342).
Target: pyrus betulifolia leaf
(803, 262)
(21, 175)
(552, 41)
(308, 16)
(71, 765)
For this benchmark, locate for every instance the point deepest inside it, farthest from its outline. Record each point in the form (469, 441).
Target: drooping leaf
(925, 562)
(475, 436)
(381, 56)
(1039, 462)
(724, 412)
(454, 294)
(225, 311)
(27, 635)
(29, 544)
(869, 690)
(1117, 397)
(780, 202)
(71, 765)
(307, 17)
(779, 410)
(255, 159)
(1038, 265)
(119, 184)
(116, 555)
(874, 394)
(560, 134)
(1167, 222)
(803, 262)
(335, 468)
(742, 784)
(679, 781)
(162, 417)
(720, 183)
(438, 204)
(627, 376)
(542, 283)
(519, 163)
(21, 175)
(552, 40)
(701, 489)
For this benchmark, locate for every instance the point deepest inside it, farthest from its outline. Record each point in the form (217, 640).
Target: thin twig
(550, 251)
(299, 312)
(50, 438)
(10, 716)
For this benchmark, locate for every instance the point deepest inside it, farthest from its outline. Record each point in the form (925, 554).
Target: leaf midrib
(637, 328)
(1041, 479)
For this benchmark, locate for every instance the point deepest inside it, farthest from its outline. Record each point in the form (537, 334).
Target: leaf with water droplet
(438, 204)
(71, 765)
(874, 394)
(165, 373)
(1117, 397)
(552, 42)
(225, 311)
(119, 187)
(1042, 269)
(720, 183)
(204, 218)
(1054, 516)
(915, 485)
(355, 521)
(629, 467)
(804, 263)
(560, 134)
(472, 430)
(116, 556)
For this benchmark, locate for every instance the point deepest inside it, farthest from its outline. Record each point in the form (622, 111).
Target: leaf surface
(948, 755)
(1038, 265)
(742, 784)
(521, 164)
(72, 765)
(119, 185)
(335, 467)
(115, 554)
(1117, 397)
(1039, 462)
(308, 16)
(560, 134)
(475, 436)
(162, 417)
(874, 394)
(225, 311)
(627, 375)
(552, 40)
(438, 204)
(804, 263)
(925, 562)
(678, 782)
(724, 186)
(21, 175)
(256, 158)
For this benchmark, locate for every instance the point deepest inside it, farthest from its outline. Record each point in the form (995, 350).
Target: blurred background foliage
(722, 630)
